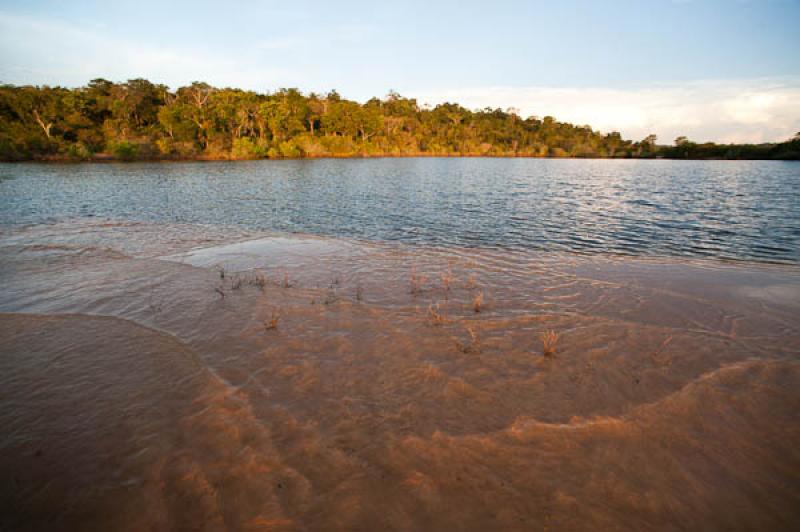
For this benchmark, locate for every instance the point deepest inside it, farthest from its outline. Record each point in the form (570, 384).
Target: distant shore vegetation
(139, 120)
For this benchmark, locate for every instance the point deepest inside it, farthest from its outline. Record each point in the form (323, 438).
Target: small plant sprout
(417, 281)
(154, 307)
(331, 297)
(272, 323)
(436, 318)
(549, 340)
(447, 278)
(474, 345)
(657, 354)
(477, 303)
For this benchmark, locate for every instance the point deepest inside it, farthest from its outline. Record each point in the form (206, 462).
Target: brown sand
(140, 390)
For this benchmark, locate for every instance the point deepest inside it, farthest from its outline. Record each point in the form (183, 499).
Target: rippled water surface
(724, 209)
(173, 358)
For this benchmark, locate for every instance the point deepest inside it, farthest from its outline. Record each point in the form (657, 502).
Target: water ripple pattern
(735, 210)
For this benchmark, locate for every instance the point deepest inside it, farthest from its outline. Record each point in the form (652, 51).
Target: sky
(713, 70)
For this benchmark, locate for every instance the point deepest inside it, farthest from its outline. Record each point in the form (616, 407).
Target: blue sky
(713, 69)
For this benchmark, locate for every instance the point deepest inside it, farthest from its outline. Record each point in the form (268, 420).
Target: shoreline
(108, 159)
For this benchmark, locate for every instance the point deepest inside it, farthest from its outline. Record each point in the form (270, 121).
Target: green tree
(139, 119)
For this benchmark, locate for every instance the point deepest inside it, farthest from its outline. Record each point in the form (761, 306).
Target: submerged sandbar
(177, 376)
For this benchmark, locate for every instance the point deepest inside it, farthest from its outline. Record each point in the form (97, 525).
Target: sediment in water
(143, 387)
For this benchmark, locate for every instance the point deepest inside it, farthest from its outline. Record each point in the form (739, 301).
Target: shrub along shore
(139, 120)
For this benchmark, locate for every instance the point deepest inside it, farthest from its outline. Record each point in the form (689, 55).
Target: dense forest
(141, 120)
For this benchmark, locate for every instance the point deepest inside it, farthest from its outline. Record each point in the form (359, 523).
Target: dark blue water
(747, 210)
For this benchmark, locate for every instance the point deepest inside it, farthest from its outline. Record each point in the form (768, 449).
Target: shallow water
(737, 210)
(143, 389)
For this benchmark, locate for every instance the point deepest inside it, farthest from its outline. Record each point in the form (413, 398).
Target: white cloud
(757, 110)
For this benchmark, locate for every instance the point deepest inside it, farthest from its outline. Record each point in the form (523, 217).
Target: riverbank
(108, 158)
(177, 375)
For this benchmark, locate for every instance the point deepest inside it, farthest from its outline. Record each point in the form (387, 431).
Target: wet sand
(177, 377)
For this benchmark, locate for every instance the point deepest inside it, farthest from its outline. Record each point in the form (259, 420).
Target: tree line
(139, 120)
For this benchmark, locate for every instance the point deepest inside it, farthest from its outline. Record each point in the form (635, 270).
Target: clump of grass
(474, 345)
(477, 303)
(272, 323)
(259, 281)
(549, 340)
(331, 297)
(436, 318)
(417, 281)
